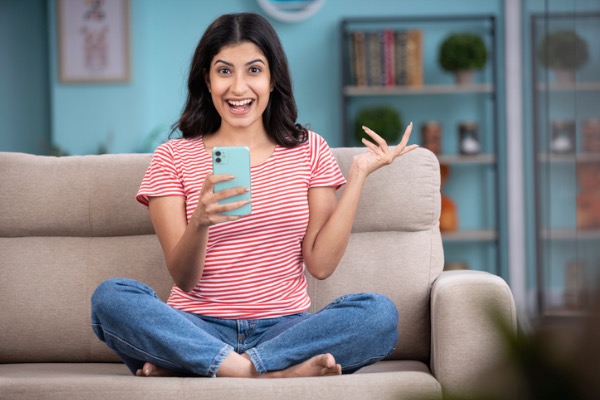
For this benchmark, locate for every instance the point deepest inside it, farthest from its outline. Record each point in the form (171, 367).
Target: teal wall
(84, 117)
(24, 79)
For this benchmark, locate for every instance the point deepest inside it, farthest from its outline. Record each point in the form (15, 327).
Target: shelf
(482, 159)
(470, 236)
(565, 313)
(579, 87)
(570, 234)
(417, 90)
(568, 158)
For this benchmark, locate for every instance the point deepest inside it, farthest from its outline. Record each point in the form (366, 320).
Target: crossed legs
(154, 339)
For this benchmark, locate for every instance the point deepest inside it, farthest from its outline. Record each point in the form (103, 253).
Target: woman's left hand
(381, 154)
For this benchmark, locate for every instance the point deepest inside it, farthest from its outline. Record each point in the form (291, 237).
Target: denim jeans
(357, 329)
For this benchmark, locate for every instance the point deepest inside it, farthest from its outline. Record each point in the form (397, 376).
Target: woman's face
(239, 81)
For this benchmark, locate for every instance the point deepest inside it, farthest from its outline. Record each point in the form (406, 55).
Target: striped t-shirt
(253, 266)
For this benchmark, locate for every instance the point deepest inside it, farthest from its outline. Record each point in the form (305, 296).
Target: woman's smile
(240, 106)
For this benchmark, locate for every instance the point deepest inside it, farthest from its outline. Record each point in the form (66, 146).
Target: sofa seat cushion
(91, 381)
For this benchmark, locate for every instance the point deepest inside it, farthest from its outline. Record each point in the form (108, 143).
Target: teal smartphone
(233, 161)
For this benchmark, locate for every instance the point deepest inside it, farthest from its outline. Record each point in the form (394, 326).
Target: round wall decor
(290, 10)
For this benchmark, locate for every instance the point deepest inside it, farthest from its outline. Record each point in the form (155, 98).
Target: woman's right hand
(209, 211)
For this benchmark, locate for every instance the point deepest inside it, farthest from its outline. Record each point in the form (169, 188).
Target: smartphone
(233, 161)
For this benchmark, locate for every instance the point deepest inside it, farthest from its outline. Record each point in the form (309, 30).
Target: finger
(233, 205)
(372, 147)
(405, 137)
(378, 139)
(219, 218)
(409, 148)
(215, 211)
(213, 179)
(209, 182)
(226, 193)
(210, 199)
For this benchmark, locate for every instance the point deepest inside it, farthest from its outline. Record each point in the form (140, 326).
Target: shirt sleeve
(325, 170)
(161, 177)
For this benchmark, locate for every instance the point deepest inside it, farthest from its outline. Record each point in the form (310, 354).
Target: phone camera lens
(218, 160)
(217, 153)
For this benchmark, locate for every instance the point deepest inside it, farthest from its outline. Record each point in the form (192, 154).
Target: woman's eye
(254, 70)
(224, 70)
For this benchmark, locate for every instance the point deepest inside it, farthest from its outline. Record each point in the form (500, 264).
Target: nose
(239, 84)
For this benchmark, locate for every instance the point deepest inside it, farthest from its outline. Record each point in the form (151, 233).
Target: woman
(238, 307)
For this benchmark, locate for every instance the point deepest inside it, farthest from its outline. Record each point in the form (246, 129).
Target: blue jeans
(357, 329)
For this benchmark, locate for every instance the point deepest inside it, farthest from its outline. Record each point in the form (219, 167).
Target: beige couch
(67, 224)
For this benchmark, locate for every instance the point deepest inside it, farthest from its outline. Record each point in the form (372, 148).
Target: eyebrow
(258, 60)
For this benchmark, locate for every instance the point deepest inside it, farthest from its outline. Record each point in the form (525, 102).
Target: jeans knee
(109, 292)
(383, 314)
(105, 290)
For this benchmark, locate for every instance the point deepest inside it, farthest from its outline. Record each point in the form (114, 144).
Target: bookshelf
(567, 226)
(426, 94)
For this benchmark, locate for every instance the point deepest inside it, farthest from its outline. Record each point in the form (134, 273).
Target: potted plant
(384, 120)
(462, 54)
(563, 52)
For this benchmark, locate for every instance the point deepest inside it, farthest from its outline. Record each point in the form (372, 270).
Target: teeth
(240, 103)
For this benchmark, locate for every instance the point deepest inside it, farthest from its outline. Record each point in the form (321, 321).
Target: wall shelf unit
(566, 178)
(422, 92)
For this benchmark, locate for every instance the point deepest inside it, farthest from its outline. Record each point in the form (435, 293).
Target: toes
(328, 361)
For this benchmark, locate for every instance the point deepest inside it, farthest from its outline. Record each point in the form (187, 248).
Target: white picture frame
(93, 41)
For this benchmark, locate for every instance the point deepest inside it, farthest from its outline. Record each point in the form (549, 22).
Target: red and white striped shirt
(253, 266)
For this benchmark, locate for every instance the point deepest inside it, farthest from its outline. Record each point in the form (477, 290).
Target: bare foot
(321, 365)
(153, 370)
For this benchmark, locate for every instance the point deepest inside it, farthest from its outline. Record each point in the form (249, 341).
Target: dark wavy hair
(199, 115)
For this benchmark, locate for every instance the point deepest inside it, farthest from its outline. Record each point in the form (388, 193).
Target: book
(400, 58)
(389, 58)
(386, 58)
(414, 58)
(359, 61)
(374, 65)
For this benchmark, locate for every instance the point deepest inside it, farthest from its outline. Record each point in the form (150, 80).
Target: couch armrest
(466, 339)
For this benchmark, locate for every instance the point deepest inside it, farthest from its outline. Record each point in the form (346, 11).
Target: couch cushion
(72, 196)
(45, 288)
(113, 381)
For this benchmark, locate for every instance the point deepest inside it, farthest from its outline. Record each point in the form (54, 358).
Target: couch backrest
(69, 223)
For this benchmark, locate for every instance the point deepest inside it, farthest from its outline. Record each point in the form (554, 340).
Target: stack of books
(386, 58)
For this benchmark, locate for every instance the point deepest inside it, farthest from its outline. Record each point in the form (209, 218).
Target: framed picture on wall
(93, 40)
